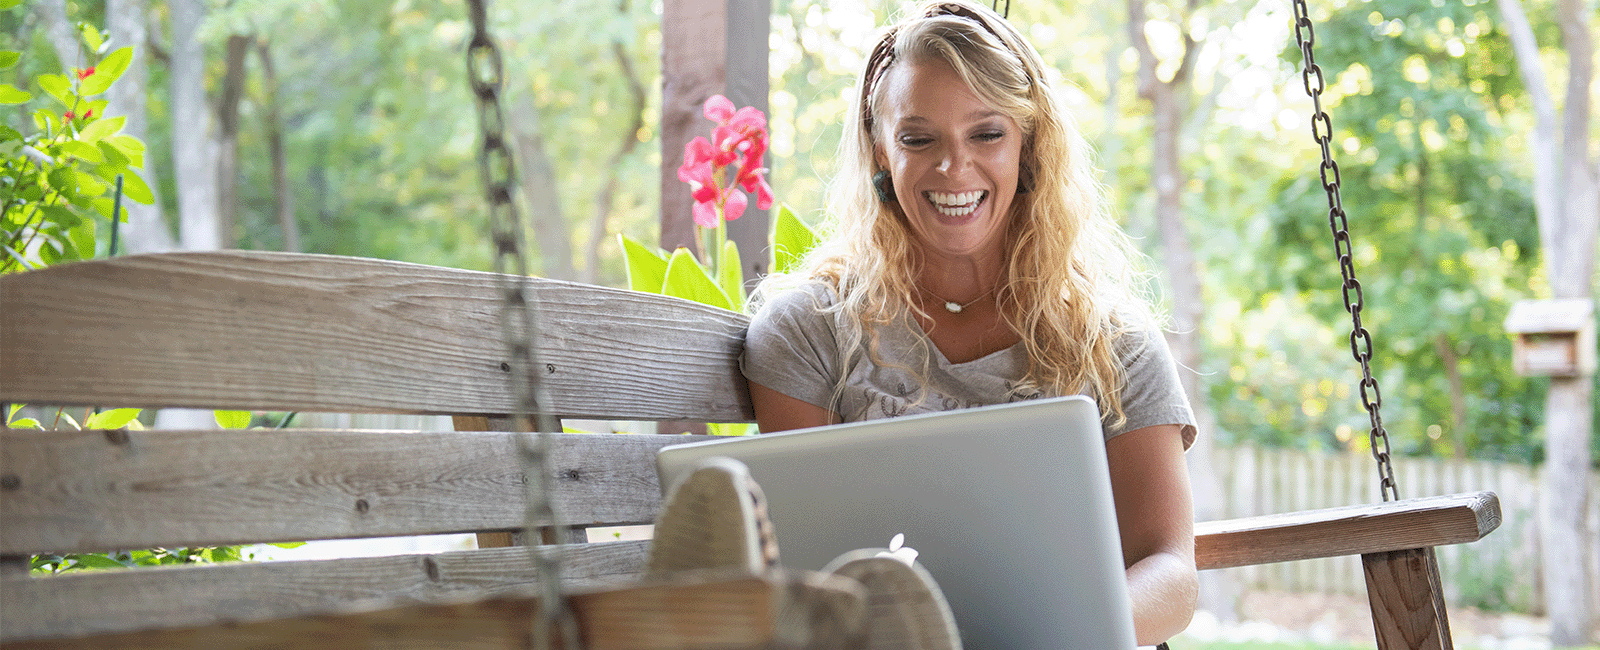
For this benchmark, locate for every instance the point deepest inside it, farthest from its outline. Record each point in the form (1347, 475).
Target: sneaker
(714, 518)
(905, 608)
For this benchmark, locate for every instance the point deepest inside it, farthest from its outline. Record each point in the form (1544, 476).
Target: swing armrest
(692, 610)
(1350, 530)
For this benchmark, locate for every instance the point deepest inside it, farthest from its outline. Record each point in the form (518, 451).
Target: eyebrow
(974, 116)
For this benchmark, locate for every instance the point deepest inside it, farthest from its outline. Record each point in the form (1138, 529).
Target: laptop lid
(1009, 508)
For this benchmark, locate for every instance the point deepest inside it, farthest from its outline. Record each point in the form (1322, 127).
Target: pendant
(953, 307)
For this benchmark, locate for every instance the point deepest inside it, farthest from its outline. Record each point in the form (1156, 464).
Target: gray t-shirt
(793, 348)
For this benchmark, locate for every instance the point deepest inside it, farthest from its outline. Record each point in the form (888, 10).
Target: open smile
(958, 204)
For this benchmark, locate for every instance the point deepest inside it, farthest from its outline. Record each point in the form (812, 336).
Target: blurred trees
(364, 139)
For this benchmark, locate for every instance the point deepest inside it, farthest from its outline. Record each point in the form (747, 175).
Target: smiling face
(954, 159)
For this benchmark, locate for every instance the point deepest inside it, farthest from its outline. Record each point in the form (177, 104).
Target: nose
(956, 158)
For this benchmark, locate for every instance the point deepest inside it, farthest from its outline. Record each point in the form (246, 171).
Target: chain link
(1360, 338)
(485, 72)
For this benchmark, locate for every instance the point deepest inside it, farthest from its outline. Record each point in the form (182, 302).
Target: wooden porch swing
(293, 332)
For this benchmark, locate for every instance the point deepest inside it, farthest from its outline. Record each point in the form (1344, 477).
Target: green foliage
(57, 180)
(1443, 229)
(53, 564)
(232, 419)
(791, 239)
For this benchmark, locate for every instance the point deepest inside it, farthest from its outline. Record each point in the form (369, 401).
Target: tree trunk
(630, 141)
(1183, 275)
(146, 229)
(63, 38)
(233, 82)
(280, 168)
(194, 152)
(543, 195)
(1458, 394)
(1567, 199)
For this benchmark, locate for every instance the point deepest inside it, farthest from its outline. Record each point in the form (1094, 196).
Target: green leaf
(108, 70)
(730, 429)
(7, 4)
(232, 419)
(134, 188)
(791, 239)
(59, 217)
(288, 544)
(647, 268)
(64, 180)
(112, 419)
(8, 134)
(9, 58)
(83, 150)
(91, 36)
(58, 87)
(128, 146)
(82, 238)
(46, 121)
(96, 561)
(730, 275)
(114, 158)
(10, 94)
(688, 280)
(68, 417)
(102, 128)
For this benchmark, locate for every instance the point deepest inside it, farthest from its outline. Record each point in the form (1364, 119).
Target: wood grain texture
(1408, 610)
(70, 491)
(189, 596)
(727, 613)
(258, 330)
(1353, 530)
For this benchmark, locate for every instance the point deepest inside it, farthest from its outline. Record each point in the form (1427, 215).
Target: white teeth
(956, 204)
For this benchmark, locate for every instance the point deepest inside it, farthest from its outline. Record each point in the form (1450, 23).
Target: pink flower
(85, 72)
(718, 108)
(738, 144)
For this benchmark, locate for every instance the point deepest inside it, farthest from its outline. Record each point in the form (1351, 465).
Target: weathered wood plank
(1352, 530)
(1408, 610)
(71, 491)
(291, 332)
(172, 597)
(726, 613)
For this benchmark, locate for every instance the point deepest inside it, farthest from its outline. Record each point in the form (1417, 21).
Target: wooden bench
(290, 332)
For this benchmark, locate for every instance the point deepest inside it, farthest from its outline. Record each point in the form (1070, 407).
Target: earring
(883, 186)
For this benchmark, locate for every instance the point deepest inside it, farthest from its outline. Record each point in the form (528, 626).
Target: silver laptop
(1009, 508)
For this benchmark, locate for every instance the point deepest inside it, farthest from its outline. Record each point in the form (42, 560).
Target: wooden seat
(290, 332)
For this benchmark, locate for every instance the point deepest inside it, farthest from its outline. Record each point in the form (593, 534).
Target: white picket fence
(1501, 570)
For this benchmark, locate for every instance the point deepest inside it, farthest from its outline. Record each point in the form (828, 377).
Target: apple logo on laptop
(899, 551)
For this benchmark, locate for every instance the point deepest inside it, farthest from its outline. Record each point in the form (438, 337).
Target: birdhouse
(1554, 338)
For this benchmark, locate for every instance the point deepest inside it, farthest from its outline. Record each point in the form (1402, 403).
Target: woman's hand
(776, 411)
(1155, 514)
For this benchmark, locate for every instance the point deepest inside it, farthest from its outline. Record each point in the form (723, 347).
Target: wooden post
(710, 47)
(1408, 610)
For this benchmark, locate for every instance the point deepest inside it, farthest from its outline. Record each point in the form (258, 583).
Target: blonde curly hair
(1070, 287)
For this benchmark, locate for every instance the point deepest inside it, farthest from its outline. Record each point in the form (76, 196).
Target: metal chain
(1360, 338)
(485, 72)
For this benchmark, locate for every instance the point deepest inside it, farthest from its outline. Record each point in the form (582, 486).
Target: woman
(973, 262)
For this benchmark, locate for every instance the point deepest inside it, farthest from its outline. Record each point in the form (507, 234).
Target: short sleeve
(1152, 394)
(791, 345)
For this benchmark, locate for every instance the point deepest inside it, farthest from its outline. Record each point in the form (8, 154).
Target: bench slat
(168, 597)
(71, 491)
(1351, 530)
(254, 330)
(744, 612)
